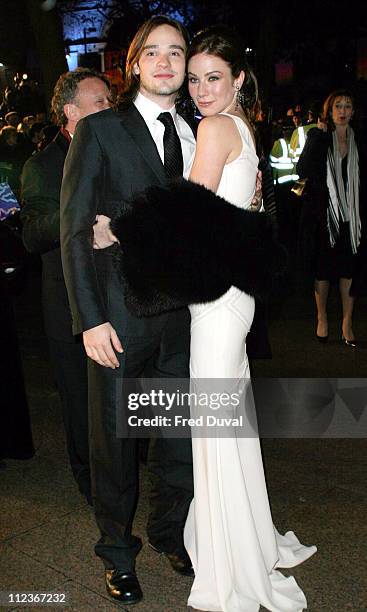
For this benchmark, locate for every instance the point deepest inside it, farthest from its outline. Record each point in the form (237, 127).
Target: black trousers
(69, 363)
(115, 460)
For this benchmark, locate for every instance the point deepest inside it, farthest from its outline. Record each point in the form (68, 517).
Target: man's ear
(136, 69)
(71, 111)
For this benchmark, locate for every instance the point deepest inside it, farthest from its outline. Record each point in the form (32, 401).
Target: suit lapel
(134, 124)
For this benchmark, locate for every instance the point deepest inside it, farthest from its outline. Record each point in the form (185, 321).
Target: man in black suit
(113, 156)
(76, 95)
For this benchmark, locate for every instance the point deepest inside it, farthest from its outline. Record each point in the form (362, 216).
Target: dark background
(326, 40)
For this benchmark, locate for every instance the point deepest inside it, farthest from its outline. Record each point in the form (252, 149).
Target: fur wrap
(181, 244)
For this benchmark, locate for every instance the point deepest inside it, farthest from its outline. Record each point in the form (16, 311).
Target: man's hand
(99, 344)
(102, 235)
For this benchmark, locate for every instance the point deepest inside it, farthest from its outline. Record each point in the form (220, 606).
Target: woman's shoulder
(223, 129)
(215, 123)
(216, 132)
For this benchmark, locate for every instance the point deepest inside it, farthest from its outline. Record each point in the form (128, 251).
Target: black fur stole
(181, 244)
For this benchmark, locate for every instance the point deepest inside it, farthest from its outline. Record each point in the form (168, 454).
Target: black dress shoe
(180, 563)
(123, 586)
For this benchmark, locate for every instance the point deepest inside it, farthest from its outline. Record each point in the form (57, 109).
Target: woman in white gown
(229, 533)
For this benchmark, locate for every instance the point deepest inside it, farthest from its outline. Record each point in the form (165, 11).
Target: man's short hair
(6, 133)
(11, 114)
(66, 87)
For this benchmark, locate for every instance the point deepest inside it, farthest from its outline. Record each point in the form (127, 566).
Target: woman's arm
(218, 141)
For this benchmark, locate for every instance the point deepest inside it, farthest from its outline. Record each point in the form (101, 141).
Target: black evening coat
(182, 244)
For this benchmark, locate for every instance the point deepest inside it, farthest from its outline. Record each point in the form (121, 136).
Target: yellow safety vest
(281, 163)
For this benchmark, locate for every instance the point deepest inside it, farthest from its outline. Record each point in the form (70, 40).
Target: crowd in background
(24, 129)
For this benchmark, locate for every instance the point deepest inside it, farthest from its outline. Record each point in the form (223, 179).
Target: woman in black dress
(331, 239)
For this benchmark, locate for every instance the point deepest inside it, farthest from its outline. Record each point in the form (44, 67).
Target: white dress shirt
(149, 111)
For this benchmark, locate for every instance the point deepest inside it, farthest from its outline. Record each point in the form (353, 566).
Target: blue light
(77, 22)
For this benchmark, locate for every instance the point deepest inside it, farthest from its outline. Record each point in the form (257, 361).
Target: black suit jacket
(41, 184)
(112, 157)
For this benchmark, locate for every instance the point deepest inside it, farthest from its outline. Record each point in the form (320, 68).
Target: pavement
(317, 486)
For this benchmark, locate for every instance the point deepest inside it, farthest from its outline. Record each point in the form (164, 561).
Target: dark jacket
(112, 157)
(41, 184)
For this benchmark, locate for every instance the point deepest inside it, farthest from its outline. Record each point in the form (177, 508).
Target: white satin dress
(229, 534)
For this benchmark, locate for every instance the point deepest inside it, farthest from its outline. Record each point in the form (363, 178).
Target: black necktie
(173, 161)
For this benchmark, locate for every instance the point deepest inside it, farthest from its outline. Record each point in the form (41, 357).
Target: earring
(240, 98)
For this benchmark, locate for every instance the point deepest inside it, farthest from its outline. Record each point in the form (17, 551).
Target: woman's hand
(257, 199)
(102, 235)
(322, 125)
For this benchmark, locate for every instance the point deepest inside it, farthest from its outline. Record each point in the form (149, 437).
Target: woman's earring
(240, 98)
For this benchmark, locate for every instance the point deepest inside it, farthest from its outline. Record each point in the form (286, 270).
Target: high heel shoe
(352, 343)
(322, 339)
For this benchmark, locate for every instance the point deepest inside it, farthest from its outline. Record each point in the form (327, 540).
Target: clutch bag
(299, 187)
